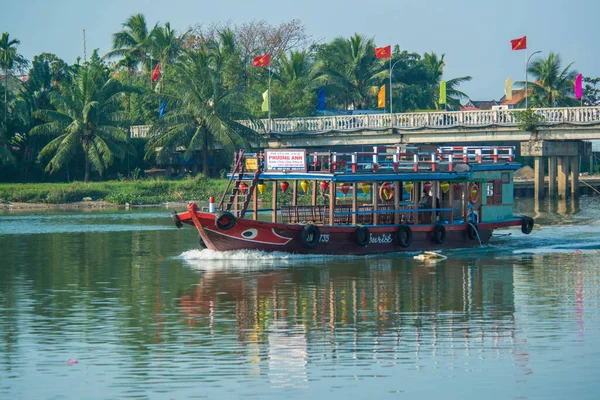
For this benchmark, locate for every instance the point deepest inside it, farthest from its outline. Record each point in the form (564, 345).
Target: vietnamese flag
(578, 86)
(383, 52)
(262, 61)
(519, 44)
(156, 72)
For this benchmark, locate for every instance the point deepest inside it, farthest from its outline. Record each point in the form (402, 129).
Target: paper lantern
(344, 188)
(304, 185)
(284, 186)
(261, 187)
(457, 186)
(366, 188)
(243, 188)
(409, 187)
(324, 185)
(445, 186)
(427, 187)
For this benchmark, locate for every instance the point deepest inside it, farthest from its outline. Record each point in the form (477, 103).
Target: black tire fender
(310, 236)
(404, 236)
(362, 236)
(225, 221)
(527, 225)
(439, 234)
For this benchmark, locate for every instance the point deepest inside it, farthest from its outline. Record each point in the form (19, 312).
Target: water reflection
(514, 316)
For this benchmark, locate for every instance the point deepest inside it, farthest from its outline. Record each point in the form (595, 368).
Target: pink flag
(578, 86)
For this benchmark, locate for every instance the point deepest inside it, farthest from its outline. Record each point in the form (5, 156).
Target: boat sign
(285, 160)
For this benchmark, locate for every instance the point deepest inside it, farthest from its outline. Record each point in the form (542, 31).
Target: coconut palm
(133, 42)
(9, 59)
(293, 84)
(165, 44)
(552, 85)
(202, 112)
(435, 65)
(350, 71)
(84, 121)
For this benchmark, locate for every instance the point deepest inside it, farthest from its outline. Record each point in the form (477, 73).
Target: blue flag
(321, 100)
(161, 110)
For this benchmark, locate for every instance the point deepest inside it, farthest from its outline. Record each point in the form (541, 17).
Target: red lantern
(324, 185)
(243, 188)
(284, 186)
(344, 188)
(457, 186)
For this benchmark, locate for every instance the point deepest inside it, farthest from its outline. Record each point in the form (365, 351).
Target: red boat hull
(335, 240)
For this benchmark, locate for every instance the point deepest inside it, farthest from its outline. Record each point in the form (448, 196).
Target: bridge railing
(407, 121)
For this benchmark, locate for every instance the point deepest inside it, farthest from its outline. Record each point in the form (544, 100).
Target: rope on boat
(588, 185)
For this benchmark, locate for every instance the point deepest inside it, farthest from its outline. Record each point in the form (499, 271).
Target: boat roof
(384, 176)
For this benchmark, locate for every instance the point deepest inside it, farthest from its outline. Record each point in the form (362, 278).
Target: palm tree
(435, 65)
(203, 112)
(133, 41)
(165, 45)
(553, 86)
(84, 121)
(9, 59)
(294, 80)
(349, 69)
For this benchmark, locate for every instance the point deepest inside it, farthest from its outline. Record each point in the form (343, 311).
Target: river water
(120, 304)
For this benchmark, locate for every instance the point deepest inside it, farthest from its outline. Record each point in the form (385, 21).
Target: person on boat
(425, 204)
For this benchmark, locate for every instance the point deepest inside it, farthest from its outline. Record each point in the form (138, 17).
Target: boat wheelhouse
(391, 199)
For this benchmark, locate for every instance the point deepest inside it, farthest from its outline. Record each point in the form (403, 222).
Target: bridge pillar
(552, 169)
(562, 154)
(563, 176)
(574, 176)
(538, 180)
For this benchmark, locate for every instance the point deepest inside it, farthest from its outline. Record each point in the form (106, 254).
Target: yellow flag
(265, 104)
(381, 98)
(508, 89)
(443, 92)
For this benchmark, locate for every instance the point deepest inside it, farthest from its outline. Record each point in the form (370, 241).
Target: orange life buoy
(473, 193)
(386, 192)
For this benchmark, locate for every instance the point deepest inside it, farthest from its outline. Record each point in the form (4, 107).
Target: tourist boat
(358, 203)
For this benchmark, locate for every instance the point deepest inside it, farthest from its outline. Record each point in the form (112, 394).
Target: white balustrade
(438, 119)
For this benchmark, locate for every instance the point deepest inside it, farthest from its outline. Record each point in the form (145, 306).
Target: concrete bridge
(557, 139)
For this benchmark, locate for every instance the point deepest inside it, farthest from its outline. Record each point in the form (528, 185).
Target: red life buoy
(386, 192)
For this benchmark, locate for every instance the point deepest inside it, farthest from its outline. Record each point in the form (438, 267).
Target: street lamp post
(391, 95)
(526, 79)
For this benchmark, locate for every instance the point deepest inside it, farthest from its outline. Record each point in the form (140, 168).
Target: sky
(474, 35)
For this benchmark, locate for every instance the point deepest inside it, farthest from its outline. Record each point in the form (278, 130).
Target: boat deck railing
(404, 159)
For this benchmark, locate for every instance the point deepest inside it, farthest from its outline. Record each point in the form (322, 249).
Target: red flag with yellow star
(519, 44)
(262, 61)
(383, 52)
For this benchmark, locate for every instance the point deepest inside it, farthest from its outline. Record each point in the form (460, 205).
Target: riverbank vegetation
(62, 121)
(139, 192)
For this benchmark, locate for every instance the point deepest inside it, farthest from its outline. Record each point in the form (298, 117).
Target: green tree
(350, 72)
(292, 94)
(552, 85)
(133, 43)
(84, 121)
(200, 111)
(435, 67)
(9, 61)
(591, 94)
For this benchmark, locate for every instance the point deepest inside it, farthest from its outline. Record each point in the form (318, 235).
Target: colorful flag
(442, 92)
(265, 104)
(262, 61)
(321, 100)
(381, 97)
(578, 88)
(383, 52)
(161, 110)
(156, 73)
(519, 44)
(508, 89)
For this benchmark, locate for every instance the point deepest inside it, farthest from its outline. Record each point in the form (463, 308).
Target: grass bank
(139, 192)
